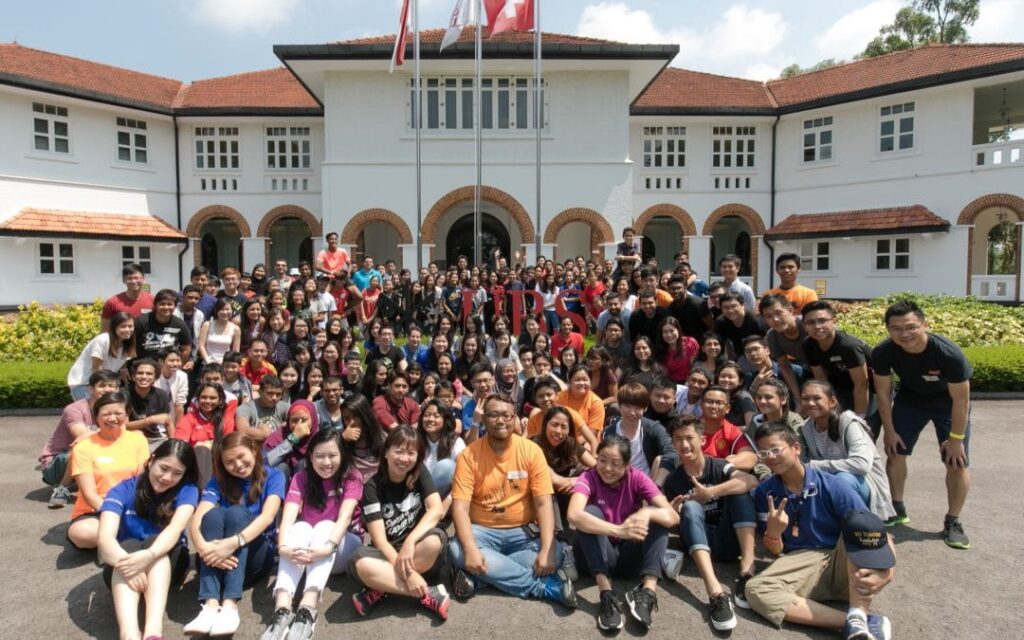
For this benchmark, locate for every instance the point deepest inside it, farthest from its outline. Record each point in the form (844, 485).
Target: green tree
(924, 22)
(795, 69)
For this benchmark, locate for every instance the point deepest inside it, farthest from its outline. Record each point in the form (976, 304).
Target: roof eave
(466, 50)
(850, 233)
(34, 84)
(19, 233)
(250, 111)
(702, 111)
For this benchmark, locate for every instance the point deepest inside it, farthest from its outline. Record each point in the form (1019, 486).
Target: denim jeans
(859, 484)
(625, 558)
(509, 554)
(717, 539)
(442, 474)
(254, 559)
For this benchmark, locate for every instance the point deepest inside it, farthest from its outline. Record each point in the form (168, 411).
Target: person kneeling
(618, 534)
(401, 509)
(835, 549)
(717, 515)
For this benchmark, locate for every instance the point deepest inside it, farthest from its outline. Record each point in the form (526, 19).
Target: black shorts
(433, 575)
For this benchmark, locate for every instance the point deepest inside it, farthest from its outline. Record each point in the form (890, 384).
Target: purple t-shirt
(79, 411)
(617, 503)
(351, 489)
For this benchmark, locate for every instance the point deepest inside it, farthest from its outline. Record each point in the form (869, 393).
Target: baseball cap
(866, 540)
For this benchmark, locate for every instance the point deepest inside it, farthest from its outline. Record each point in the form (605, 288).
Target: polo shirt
(724, 442)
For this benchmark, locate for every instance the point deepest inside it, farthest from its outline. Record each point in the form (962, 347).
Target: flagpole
(417, 103)
(478, 80)
(536, 109)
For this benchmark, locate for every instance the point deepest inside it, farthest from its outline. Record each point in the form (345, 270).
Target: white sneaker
(202, 623)
(226, 623)
(672, 563)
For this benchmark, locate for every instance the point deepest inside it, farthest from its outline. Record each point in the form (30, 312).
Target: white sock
(856, 611)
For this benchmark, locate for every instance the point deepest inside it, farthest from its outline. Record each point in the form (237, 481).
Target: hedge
(34, 385)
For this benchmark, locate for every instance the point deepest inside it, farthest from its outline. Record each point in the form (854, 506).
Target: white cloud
(236, 16)
(999, 21)
(742, 31)
(851, 32)
(762, 71)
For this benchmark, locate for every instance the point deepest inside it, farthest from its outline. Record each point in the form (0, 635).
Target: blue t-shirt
(272, 486)
(121, 500)
(816, 514)
(421, 352)
(467, 416)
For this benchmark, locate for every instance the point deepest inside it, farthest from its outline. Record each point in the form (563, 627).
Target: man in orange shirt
(504, 521)
(332, 260)
(787, 266)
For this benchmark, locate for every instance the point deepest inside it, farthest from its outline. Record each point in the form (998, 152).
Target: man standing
(160, 329)
(729, 268)
(361, 278)
(686, 308)
(935, 385)
(645, 321)
(504, 521)
(787, 266)
(735, 324)
(841, 359)
(332, 260)
(231, 279)
(133, 299)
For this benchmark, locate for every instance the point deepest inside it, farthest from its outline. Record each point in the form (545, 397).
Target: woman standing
(251, 323)
(218, 335)
(109, 350)
(676, 350)
(548, 291)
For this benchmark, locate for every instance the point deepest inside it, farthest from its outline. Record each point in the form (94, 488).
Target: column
(408, 257)
(609, 250)
(254, 251)
(700, 256)
(425, 251)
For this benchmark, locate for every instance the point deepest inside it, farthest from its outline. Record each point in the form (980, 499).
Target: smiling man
(787, 266)
(134, 299)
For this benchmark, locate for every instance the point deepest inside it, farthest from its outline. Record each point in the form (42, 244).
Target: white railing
(996, 288)
(999, 154)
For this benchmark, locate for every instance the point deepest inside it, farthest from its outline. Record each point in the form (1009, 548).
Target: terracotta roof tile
(268, 89)
(894, 68)
(693, 91)
(43, 67)
(57, 222)
(914, 218)
(434, 36)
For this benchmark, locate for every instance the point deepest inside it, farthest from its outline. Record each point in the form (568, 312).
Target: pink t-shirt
(617, 503)
(677, 363)
(332, 261)
(351, 489)
(60, 440)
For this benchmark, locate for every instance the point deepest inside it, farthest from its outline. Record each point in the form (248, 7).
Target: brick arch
(593, 219)
(748, 215)
(355, 226)
(487, 194)
(678, 214)
(212, 212)
(289, 211)
(971, 211)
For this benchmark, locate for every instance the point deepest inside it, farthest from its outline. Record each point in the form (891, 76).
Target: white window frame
(663, 147)
(892, 254)
(137, 141)
(733, 147)
(515, 93)
(812, 253)
(288, 147)
(817, 135)
(51, 117)
(136, 257)
(55, 247)
(902, 125)
(220, 145)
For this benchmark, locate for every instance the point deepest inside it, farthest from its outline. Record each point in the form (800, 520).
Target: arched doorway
(290, 240)
(220, 245)
(731, 234)
(578, 232)
(377, 232)
(995, 260)
(663, 239)
(461, 237)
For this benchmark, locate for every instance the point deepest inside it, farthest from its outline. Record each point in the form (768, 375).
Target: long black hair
(564, 455)
(372, 435)
(833, 415)
(159, 507)
(217, 417)
(313, 493)
(448, 434)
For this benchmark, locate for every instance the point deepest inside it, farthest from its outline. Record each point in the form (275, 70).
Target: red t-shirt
(332, 261)
(590, 295)
(725, 442)
(121, 302)
(255, 376)
(558, 343)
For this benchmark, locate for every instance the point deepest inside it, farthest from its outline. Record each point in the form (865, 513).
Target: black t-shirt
(392, 358)
(641, 325)
(398, 506)
(847, 352)
(151, 335)
(706, 308)
(923, 376)
(690, 315)
(733, 335)
(716, 471)
(663, 418)
(739, 404)
(155, 402)
(237, 301)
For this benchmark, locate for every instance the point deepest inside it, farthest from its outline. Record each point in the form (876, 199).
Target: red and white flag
(509, 15)
(398, 55)
(459, 19)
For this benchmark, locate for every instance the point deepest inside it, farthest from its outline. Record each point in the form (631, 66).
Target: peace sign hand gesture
(778, 519)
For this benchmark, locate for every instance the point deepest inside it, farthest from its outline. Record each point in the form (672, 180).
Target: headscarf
(299, 452)
(513, 390)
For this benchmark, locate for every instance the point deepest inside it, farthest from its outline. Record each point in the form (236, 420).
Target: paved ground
(54, 591)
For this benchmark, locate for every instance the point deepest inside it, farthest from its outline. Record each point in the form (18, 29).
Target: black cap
(866, 540)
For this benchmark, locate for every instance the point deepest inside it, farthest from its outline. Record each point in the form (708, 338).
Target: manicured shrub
(997, 368)
(48, 334)
(34, 385)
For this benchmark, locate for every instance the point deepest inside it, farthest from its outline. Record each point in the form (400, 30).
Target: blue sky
(194, 39)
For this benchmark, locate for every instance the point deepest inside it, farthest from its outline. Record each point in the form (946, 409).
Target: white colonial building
(903, 172)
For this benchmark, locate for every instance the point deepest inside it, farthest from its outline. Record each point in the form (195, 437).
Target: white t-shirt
(98, 347)
(430, 460)
(176, 387)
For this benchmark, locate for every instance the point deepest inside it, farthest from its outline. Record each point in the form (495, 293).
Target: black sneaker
(901, 518)
(303, 625)
(610, 616)
(278, 628)
(642, 603)
(953, 534)
(463, 587)
(722, 616)
(568, 565)
(739, 592)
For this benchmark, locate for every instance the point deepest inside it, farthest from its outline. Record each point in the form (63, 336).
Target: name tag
(930, 378)
(516, 475)
(836, 359)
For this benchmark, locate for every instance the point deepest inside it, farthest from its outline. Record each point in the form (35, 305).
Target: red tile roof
(269, 89)
(57, 222)
(894, 68)
(434, 36)
(37, 67)
(914, 218)
(693, 90)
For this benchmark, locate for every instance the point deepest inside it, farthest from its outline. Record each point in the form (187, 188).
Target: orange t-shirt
(537, 417)
(590, 408)
(663, 298)
(500, 489)
(108, 462)
(798, 296)
(332, 261)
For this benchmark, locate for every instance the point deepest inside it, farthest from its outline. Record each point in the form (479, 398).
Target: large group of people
(437, 433)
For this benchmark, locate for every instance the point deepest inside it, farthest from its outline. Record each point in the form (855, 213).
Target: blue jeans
(625, 558)
(859, 484)
(551, 319)
(509, 554)
(254, 559)
(442, 474)
(717, 539)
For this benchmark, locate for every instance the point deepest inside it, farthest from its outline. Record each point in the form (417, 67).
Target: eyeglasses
(817, 322)
(774, 452)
